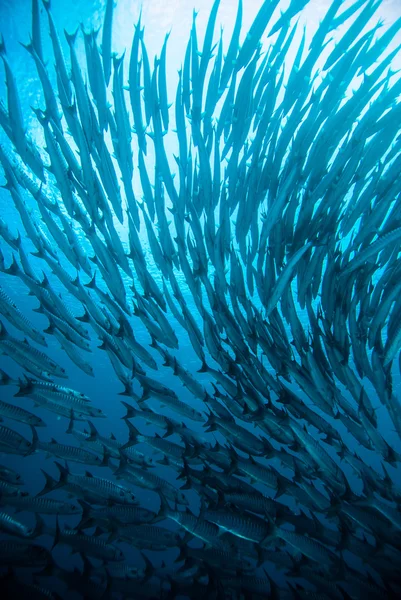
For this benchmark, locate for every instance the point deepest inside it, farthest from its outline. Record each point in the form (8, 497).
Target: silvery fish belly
(200, 299)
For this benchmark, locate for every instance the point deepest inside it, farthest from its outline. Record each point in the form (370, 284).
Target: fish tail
(50, 485)
(92, 283)
(2, 46)
(13, 269)
(93, 432)
(133, 436)
(71, 37)
(29, 47)
(204, 368)
(63, 471)
(85, 317)
(117, 60)
(40, 527)
(24, 388)
(131, 412)
(70, 428)
(86, 508)
(164, 509)
(57, 533)
(3, 331)
(4, 378)
(35, 439)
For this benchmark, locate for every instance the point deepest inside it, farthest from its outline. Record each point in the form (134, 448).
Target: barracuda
(252, 262)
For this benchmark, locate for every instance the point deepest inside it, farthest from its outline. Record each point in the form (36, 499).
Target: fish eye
(121, 493)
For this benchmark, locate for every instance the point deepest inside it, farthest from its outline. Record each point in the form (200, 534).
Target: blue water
(103, 389)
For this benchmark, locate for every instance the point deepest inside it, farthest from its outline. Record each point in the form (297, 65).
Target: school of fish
(268, 244)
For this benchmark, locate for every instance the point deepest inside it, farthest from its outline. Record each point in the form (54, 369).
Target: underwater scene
(200, 299)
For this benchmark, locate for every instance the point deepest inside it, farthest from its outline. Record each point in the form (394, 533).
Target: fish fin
(133, 435)
(71, 37)
(70, 428)
(3, 331)
(85, 317)
(131, 411)
(2, 46)
(94, 434)
(50, 485)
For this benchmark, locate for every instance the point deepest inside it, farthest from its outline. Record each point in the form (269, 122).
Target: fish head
(136, 573)
(29, 531)
(73, 509)
(15, 478)
(127, 497)
(181, 499)
(198, 416)
(118, 555)
(96, 412)
(26, 447)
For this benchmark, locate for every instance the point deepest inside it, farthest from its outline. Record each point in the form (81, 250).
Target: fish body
(243, 286)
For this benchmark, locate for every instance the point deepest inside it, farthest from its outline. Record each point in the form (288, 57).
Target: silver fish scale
(246, 526)
(101, 486)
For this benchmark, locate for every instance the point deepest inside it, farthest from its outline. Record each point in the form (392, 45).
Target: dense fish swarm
(269, 245)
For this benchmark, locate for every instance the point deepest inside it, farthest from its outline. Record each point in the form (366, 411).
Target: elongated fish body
(91, 545)
(150, 537)
(128, 514)
(71, 453)
(19, 414)
(11, 525)
(147, 479)
(20, 553)
(24, 350)
(243, 525)
(15, 442)
(101, 489)
(12, 313)
(61, 410)
(68, 332)
(10, 476)
(251, 262)
(203, 530)
(9, 489)
(64, 408)
(43, 506)
(14, 106)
